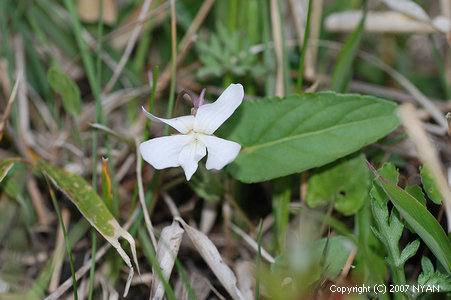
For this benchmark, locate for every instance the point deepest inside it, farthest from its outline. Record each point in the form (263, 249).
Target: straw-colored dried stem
(141, 196)
(427, 153)
(42, 212)
(252, 243)
(312, 49)
(277, 36)
(59, 251)
(9, 106)
(129, 48)
(198, 20)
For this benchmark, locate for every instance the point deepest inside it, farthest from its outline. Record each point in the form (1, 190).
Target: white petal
(182, 124)
(220, 152)
(164, 152)
(210, 116)
(190, 156)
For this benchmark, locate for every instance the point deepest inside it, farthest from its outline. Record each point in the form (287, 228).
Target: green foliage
(93, 209)
(344, 183)
(420, 219)
(389, 231)
(227, 52)
(429, 186)
(63, 85)
(84, 197)
(433, 278)
(309, 262)
(285, 136)
(417, 193)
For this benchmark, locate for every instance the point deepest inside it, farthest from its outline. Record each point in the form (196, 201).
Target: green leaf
(409, 250)
(420, 219)
(417, 193)
(63, 85)
(343, 68)
(5, 167)
(344, 183)
(389, 171)
(430, 278)
(285, 136)
(429, 186)
(93, 209)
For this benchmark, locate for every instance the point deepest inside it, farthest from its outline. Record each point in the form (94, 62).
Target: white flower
(196, 138)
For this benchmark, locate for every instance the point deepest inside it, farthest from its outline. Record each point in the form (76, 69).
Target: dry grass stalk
(408, 8)
(85, 268)
(377, 22)
(141, 196)
(9, 106)
(129, 48)
(59, 252)
(277, 34)
(171, 205)
(253, 244)
(427, 153)
(167, 250)
(42, 213)
(315, 29)
(298, 7)
(198, 20)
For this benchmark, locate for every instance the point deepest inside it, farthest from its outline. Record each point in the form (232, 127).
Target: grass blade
(343, 68)
(420, 219)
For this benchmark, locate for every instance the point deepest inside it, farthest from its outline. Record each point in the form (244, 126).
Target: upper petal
(210, 116)
(164, 152)
(190, 155)
(220, 152)
(182, 124)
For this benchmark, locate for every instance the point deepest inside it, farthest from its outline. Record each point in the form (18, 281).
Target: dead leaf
(211, 256)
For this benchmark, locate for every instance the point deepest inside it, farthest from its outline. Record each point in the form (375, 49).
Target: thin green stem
(304, 48)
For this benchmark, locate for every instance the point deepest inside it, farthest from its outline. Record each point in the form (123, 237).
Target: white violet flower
(196, 136)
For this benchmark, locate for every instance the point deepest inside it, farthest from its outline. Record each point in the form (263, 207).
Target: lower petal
(190, 155)
(163, 152)
(220, 152)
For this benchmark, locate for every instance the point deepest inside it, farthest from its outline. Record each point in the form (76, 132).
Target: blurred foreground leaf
(63, 85)
(285, 136)
(345, 184)
(94, 210)
(5, 166)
